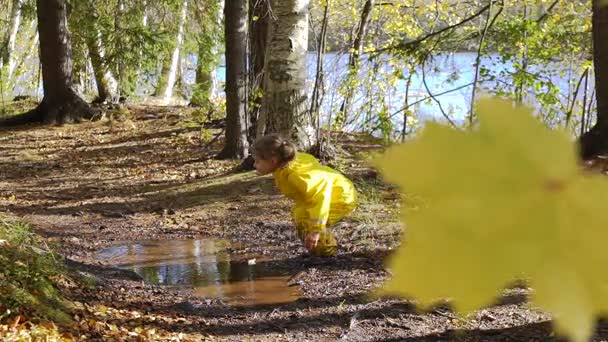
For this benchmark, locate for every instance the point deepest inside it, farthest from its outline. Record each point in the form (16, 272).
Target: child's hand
(312, 240)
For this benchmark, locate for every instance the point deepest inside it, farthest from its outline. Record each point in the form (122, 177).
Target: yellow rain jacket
(322, 195)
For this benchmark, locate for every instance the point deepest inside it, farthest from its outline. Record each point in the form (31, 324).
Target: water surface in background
(447, 75)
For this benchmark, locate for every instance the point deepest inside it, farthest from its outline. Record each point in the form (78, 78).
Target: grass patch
(12, 108)
(26, 277)
(370, 191)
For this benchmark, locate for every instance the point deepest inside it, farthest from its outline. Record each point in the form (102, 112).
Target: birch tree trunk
(167, 95)
(285, 98)
(144, 19)
(30, 52)
(144, 24)
(7, 57)
(107, 85)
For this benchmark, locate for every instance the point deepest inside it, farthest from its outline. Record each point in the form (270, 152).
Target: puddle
(205, 266)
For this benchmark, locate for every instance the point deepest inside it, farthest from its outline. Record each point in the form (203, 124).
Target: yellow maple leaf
(505, 201)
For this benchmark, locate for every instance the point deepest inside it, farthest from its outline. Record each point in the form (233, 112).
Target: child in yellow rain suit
(322, 195)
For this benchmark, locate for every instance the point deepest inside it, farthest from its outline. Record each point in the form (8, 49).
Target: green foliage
(370, 191)
(25, 277)
(386, 125)
(209, 111)
(209, 41)
(540, 47)
(11, 108)
(133, 35)
(28, 9)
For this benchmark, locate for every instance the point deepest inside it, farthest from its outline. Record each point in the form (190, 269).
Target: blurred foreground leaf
(503, 202)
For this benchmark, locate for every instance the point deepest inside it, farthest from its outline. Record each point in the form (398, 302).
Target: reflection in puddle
(205, 265)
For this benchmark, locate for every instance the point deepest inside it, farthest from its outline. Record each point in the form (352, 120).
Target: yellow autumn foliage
(504, 201)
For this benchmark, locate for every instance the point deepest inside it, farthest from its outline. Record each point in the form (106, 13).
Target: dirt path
(93, 185)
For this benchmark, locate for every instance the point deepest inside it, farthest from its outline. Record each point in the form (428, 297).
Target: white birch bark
(285, 98)
(175, 57)
(7, 56)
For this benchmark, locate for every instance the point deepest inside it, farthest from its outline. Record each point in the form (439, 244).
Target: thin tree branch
(419, 40)
(578, 86)
(478, 59)
(435, 98)
(318, 89)
(426, 98)
(585, 94)
(548, 12)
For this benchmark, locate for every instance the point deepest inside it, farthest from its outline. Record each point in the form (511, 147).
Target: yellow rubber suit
(322, 197)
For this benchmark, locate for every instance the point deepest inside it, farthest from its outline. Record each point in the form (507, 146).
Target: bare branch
(428, 90)
(546, 14)
(405, 45)
(487, 26)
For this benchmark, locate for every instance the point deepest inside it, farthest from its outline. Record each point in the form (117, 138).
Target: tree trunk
(595, 142)
(204, 80)
(60, 103)
(259, 15)
(235, 18)
(144, 19)
(353, 60)
(144, 25)
(107, 85)
(258, 38)
(285, 99)
(163, 77)
(168, 94)
(8, 45)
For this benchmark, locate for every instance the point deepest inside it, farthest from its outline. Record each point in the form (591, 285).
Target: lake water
(446, 74)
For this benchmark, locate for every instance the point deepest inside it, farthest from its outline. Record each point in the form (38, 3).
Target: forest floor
(132, 183)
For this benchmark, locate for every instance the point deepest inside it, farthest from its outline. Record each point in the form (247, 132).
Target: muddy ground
(89, 186)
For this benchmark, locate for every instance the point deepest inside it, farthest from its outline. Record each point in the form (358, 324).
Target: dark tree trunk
(258, 37)
(259, 14)
(60, 103)
(235, 18)
(595, 142)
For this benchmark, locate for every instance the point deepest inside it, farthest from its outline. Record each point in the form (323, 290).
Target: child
(322, 195)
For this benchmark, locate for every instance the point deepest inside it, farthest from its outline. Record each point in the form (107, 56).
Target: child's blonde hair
(275, 145)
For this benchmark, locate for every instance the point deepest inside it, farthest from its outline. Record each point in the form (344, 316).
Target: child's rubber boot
(327, 245)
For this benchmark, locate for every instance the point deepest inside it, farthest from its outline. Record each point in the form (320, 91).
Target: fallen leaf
(503, 202)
